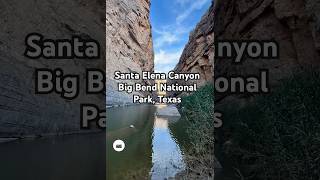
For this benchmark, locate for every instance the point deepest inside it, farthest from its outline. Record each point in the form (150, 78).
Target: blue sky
(172, 21)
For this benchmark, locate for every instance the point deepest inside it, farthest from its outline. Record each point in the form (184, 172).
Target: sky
(172, 21)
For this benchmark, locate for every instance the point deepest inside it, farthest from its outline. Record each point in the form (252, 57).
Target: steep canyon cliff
(23, 112)
(294, 25)
(197, 56)
(129, 44)
(120, 26)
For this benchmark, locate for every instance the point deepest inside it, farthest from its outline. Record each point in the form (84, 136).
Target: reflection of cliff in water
(78, 157)
(135, 161)
(179, 133)
(152, 149)
(167, 157)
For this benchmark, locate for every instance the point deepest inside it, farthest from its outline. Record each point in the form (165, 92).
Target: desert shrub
(197, 110)
(278, 136)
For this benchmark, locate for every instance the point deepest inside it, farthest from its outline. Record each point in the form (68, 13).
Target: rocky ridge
(129, 44)
(24, 113)
(197, 56)
(294, 25)
(123, 23)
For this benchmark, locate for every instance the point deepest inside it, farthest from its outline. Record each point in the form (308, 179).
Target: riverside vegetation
(277, 137)
(197, 111)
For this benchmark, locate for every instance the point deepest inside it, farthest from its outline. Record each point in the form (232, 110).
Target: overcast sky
(172, 21)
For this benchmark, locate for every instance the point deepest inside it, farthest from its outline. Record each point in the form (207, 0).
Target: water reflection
(151, 151)
(167, 156)
(135, 161)
(78, 157)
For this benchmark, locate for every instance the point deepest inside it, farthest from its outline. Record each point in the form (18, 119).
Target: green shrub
(278, 136)
(197, 110)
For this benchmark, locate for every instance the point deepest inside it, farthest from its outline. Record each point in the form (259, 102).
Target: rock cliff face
(22, 112)
(197, 56)
(293, 24)
(129, 43)
(124, 24)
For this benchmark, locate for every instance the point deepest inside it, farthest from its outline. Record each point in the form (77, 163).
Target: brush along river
(153, 150)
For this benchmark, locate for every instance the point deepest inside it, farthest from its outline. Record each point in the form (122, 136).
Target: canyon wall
(197, 56)
(294, 25)
(124, 24)
(129, 44)
(22, 111)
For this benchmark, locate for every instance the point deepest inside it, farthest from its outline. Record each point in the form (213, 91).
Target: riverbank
(8, 138)
(197, 110)
(274, 136)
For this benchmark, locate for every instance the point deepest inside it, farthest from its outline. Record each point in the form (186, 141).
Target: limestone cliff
(129, 44)
(22, 112)
(124, 24)
(294, 25)
(197, 56)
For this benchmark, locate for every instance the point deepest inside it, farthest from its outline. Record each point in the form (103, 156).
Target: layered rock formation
(129, 44)
(22, 112)
(294, 25)
(124, 24)
(197, 56)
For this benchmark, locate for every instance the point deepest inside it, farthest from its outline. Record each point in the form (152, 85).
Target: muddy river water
(153, 150)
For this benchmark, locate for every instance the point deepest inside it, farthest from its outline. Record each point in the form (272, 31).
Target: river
(153, 150)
